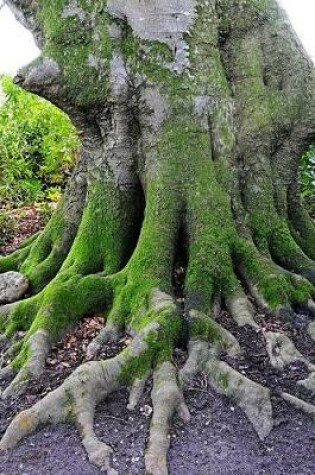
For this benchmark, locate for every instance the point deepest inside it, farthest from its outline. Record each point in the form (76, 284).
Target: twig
(117, 419)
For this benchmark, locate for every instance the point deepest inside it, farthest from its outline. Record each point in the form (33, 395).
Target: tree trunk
(193, 116)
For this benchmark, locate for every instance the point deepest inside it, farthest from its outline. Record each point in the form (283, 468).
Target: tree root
(39, 347)
(242, 310)
(110, 333)
(251, 397)
(46, 317)
(78, 396)
(311, 330)
(167, 399)
(217, 185)
(299, 404)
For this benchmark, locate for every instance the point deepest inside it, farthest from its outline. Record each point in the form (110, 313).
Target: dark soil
(218, 440)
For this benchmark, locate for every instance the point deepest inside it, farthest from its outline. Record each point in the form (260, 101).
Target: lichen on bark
(193, 116)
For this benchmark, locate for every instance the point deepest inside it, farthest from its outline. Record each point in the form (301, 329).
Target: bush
(307, 178)
(7, 227)
(38, 146)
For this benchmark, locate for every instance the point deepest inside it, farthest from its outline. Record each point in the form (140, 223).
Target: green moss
(23, 356)
(13, 261)
(76, 42)
(159, 345)
(64, 303)
(22, 315)
(202, 327)
(277, 288)
(223, 380)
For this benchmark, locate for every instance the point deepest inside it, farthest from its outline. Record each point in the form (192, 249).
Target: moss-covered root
(273, 288)
(45, 317)
(13, 261)
(39, 347)
(167, 399)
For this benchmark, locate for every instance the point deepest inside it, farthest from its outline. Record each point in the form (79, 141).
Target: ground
(219, 437)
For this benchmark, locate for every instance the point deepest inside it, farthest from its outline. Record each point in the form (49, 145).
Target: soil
(219, 440)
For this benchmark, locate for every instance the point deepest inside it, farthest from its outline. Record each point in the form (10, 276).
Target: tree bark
(193, 117)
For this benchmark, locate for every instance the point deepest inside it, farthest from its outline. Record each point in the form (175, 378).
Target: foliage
(7, 227)
(38, 146)
(307, 177)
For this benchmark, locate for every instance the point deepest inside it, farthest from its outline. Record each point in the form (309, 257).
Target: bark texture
(193, 115)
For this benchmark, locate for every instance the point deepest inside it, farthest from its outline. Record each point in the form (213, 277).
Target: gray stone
(12, 287)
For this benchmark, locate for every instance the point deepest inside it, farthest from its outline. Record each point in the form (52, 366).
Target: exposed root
(167, 399)
(136, 392)
(311, 307)
(109, 333)
(5, 312)
(222, 339)
(39, 347)
(281, 351)
(9, 354)
(6, 373)
(251, 397)
(4, 343)
(44, 318)
(78, 396)
(198, 351)
(299, 404)
(311, 330)
(308, 383)
(241, 311)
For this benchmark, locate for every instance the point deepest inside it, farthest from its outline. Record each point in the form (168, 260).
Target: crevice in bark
(178, 281)
(140, 206)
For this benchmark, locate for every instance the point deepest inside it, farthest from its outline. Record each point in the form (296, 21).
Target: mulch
(27, 220)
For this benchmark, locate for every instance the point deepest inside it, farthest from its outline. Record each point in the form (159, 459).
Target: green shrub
(38, 146)
(307, 177)
(7, 228)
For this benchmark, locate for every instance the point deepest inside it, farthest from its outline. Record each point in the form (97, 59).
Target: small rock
(12, 287)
